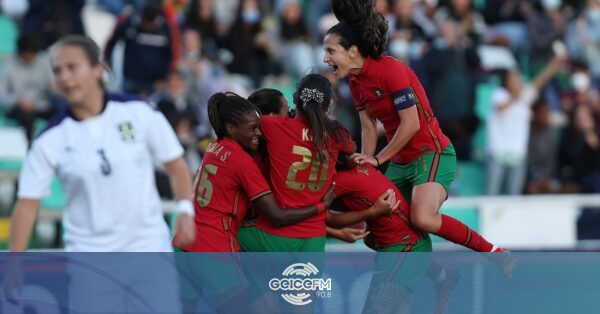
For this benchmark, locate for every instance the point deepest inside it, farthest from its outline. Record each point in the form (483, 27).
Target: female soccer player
(302, 153)
(423, 162)
(102, 149)
(229, 181)
(270, 101)
(356, 189)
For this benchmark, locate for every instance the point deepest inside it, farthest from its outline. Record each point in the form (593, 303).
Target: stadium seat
(12, 151)
(470, 179)
(56, 201)
(482, 110)
(8, 37)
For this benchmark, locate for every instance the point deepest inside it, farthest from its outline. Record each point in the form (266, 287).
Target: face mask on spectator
(581, 81)
(551, 4)
(593, 15)
(399, 47)
(251, 16)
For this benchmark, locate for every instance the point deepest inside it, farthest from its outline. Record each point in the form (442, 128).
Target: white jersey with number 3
(105, 166)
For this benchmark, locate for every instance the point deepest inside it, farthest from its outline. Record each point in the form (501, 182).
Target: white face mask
(581, 81)
(551, 4)
(251, 16)
(593, 16)
(399, 47)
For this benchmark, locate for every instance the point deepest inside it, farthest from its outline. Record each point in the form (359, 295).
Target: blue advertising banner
(447, 282)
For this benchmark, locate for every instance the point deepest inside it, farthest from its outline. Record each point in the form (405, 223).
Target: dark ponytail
(227, 108)
(312, 99)
(360, 25)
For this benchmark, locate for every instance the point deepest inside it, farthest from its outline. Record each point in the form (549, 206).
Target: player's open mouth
(255, 141)
(335, 69)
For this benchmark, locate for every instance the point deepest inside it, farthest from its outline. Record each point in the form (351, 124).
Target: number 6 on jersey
(205, 188)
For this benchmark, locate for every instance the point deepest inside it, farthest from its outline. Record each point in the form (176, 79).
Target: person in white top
(102, 150)
(508, 128)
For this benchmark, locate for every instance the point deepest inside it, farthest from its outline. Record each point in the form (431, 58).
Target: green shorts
(252, 239)
(216, 275)
(403, 263)
(429, 167)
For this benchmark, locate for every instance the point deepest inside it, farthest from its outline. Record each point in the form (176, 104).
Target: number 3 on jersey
(205, 188)
(315, 183)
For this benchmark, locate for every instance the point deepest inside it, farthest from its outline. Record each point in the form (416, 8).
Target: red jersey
(224, 187)
(387, 85)
(358, 188)
(298, 177)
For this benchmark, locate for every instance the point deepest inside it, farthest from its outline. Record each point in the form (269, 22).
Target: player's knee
(422, 220)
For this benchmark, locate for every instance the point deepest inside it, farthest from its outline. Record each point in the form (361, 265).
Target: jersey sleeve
(251, 179)
(398, 86)
(162, 140)
(37, 172)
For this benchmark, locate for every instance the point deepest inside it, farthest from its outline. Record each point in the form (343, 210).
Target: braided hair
(360, 25)
(227, 108)
(312, 99)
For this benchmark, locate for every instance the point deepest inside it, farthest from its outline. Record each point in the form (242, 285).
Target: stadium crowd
(179, 53)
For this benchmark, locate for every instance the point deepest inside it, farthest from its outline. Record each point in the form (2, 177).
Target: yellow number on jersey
(315, 183)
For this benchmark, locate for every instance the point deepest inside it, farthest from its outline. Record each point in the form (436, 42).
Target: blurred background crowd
(522, 120)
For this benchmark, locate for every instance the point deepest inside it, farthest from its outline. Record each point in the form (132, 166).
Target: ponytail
(360, 25)
(312, 99)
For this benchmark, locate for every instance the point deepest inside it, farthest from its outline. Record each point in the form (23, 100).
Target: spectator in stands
(26, 85)
(545, 25)
(410, 32)
(509, 128)
(470, 23)
(197, 69)
(583, 39)
(450, 65)
(48, 21)
(504, 19)
(250, 43)
(295, 51)
(542, 152)
(579, 152)
(200, 16)
(151, 39)
(314, 12)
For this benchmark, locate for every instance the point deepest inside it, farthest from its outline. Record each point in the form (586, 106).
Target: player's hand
(13, 281)
(185, 230)
(385, 204)
(352, 235)
(330, 196)
(360, 159)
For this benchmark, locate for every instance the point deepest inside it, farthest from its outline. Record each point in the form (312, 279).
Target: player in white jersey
(102, 149)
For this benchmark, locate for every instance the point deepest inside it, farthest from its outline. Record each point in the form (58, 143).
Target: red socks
(459, 233)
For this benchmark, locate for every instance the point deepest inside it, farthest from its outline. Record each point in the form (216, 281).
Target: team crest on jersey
(379, 92)
(127, 131)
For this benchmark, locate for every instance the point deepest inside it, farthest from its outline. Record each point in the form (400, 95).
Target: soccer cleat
(502, 258)
(444, 289)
